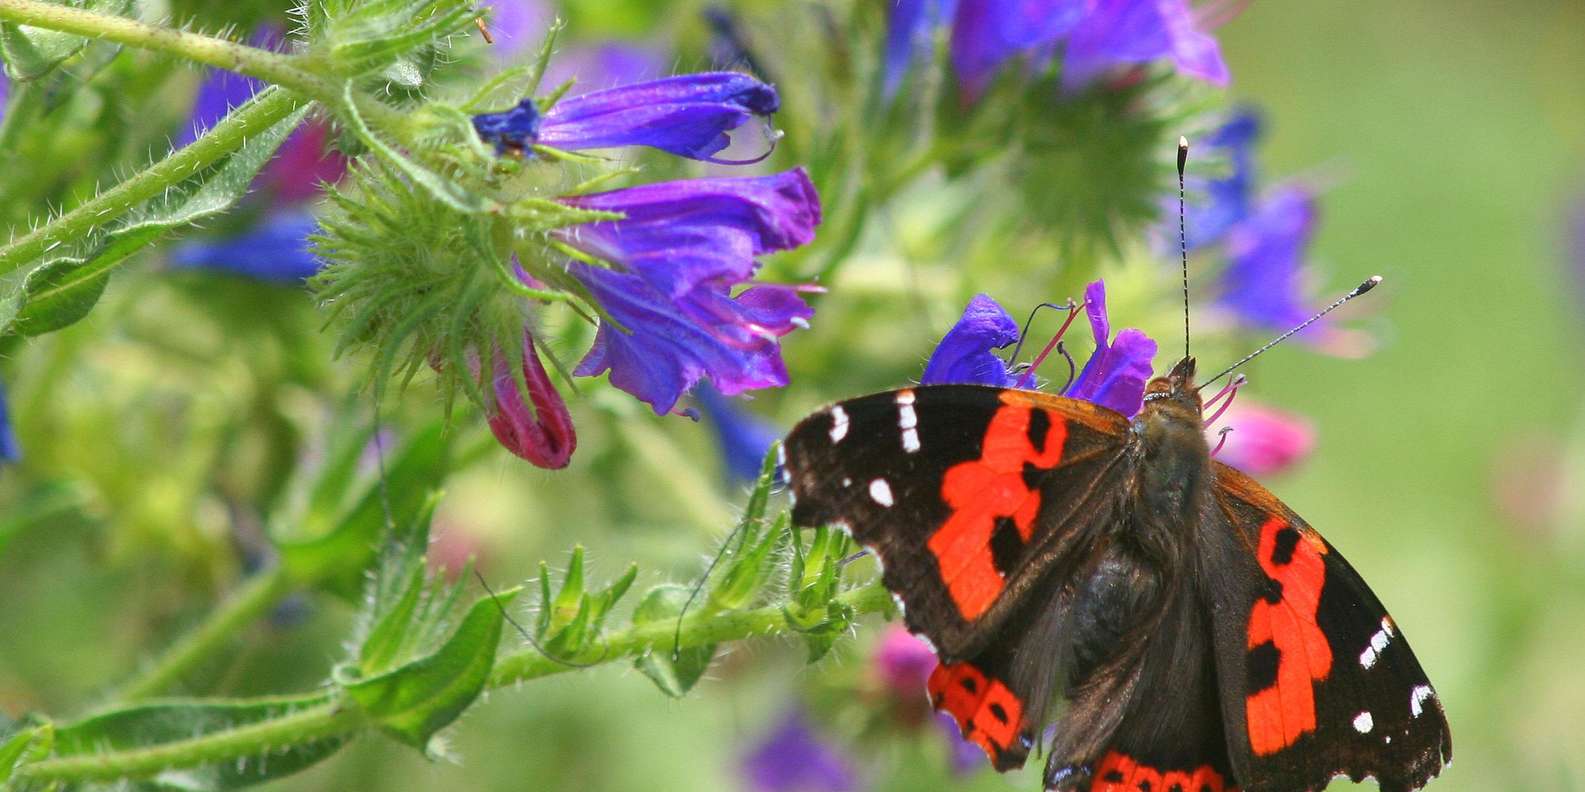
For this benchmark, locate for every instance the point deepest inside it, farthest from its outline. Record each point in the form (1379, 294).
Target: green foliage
(31, 53)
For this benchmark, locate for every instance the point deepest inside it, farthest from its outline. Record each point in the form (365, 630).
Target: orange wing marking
(1119, 773)
(983, 490)
(1279, 714)
(987, 712)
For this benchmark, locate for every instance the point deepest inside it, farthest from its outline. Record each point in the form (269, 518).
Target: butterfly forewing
(968, 495)
(1317, 680)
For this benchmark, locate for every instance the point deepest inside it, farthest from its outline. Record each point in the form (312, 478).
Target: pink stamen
(1229, 391)
(1217, 13)
(1028, 377)
(1226, 430)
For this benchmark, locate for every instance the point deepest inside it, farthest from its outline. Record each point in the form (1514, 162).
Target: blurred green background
(1452, 141)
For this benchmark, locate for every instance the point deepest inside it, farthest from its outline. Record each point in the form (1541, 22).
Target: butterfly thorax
(1174, 463)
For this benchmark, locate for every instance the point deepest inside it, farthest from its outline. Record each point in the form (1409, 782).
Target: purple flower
(607, 64)
(1265, 440)
(669, 343)
(987, 33)
(1263, 283)
(1127, 32)
(908, 31)
(688, 115)
(903, 662)
(275, 250)
(964, 354)
(1229, 198)
(792, 758)
(218, 94)
(541, 433)
(516, 26)
(1116, 373)
(9, 450)
(743, 437)
(677, 235)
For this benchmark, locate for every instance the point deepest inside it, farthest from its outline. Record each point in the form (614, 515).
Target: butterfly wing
(968, 495)
(1316, 678)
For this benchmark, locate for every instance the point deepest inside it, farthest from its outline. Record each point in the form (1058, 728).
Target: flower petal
(10, 451)
(1115, 375)
(687, 115)
(1263, 283)
(677, 235)
(1125, 32)
(742, 436)
(1229, 197)
(1265, 440)
(511, 130)
(542, 434)
(792, 758)
(275, 250)
(908, 31)
(964, 354)
(986, 33)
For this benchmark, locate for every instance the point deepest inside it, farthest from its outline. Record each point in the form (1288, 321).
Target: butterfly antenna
(1370, 283)
(698, 586)
(528, 636)
(1183, 239)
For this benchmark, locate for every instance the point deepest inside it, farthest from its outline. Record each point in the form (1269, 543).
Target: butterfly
(1201, 636)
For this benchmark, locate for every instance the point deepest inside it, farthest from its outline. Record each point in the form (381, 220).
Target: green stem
(700, 630)
(263, 64)
(256, 597)
(270, 106)
(330, 719)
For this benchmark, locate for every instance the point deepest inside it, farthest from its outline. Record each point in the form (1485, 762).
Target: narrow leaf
(674, 677)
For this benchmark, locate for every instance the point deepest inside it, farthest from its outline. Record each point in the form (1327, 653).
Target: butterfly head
(1177, 387)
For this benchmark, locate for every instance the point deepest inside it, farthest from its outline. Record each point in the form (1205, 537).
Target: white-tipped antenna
(1370, 283)
(1183, 239)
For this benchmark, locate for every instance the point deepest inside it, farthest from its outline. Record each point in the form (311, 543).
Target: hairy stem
(270, 106)
(256, 597)
(700, 630)
(331, 719)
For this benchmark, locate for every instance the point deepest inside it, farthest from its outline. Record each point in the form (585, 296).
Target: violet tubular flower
(792, 758)
(687, 115)
(964, 354)
(988, 33)
(1116, 373)
(742, 436)
(275, 250)
(1128, 32)
(1229, 198)
(539, 430)
(10, 451)
(1263, 284)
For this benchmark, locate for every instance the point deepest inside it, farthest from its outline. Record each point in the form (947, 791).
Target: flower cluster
(666, 272)
(1091, 38)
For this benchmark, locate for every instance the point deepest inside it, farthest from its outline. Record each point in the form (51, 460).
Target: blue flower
(1114, 376)
(687, 115)
(1116, 373)
(908, 31)
(1263, 283)
(1229, 198)
(792, 758)
(988, 33)
(275, 250)
(667, 344)
(964, 354)
(743, 437)
(9, 450)
(1127, 32)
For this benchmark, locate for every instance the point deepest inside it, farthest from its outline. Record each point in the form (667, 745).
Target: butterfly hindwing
(967, 494)
(1317, 680)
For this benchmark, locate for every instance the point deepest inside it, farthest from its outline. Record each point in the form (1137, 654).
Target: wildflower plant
(378, 253)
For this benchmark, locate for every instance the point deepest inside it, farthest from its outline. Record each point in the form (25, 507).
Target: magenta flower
(539, 429)
(792, 758)
(903, 662)
(1114, 376)
(1264, 440)
(1127, 32)
(964, 353)
(687, 115)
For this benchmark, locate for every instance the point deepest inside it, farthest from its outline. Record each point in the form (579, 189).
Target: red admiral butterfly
(1204, 637)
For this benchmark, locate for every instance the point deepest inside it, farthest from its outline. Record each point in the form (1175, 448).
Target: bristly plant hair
(1370, 283)
(1183, 239)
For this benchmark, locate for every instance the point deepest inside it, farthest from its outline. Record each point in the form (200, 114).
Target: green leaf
(156, 723)
(61, 291)
(418, 699)
(380, 650)
(24, 745)
(674, 676)
(31, 53)
(337, 559)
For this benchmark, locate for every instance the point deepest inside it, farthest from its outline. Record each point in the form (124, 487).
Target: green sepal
(749, 560)
(570, 621)
(813, 580)
(63, 290)
(439, 187)
(675, 673)
(374, 33)
(414, 701)
(25, 745)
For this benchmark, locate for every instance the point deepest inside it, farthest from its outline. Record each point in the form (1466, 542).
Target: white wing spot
(847, 482)
(839, 424)
(1417, 699)
(1387, 739)
(881, 492)
(1378, 644)
(907, 419)
(1363, 723)
(905, 397)
(910, 440)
